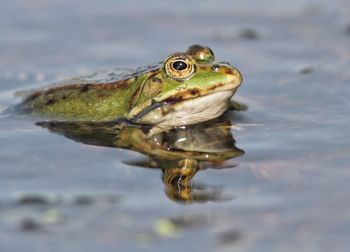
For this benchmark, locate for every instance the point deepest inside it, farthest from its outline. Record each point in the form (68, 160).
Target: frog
(186, 88)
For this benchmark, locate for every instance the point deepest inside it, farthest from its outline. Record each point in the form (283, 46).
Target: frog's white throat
(189, 111)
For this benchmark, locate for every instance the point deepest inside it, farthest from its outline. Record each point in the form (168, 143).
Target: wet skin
(186, 88)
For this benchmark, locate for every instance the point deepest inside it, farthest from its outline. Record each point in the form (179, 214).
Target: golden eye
(179, 66)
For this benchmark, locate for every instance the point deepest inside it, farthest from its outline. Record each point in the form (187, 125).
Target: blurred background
(290, 191)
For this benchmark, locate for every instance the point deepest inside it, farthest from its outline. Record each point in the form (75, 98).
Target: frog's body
(186, 88)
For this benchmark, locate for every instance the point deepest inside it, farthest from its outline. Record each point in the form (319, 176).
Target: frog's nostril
(215, 67)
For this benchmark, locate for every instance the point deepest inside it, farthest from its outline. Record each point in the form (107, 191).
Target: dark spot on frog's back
(50, 101)
(85, 88)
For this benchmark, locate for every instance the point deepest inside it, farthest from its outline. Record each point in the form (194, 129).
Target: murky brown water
(288, 192)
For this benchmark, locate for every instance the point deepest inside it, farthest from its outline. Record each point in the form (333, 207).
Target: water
(288, 192)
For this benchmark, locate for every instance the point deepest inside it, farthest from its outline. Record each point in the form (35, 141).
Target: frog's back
(102, 96)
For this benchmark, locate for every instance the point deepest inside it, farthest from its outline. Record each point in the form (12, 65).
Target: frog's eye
(201, 53)
(179, 67)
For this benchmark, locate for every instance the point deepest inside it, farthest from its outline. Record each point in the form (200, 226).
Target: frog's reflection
(179, 152)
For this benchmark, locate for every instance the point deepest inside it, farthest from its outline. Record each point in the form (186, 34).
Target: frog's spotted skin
(96, 97)
(186, 88)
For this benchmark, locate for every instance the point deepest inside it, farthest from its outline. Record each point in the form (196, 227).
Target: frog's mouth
(172, 113)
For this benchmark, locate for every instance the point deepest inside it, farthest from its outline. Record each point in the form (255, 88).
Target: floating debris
(166, 228)
(307, 70)
(230, 236)
(36, 199)
(52, 217)
(249, 34)
(92, 199)
(30, 224)
(36, 221)
(83, 200)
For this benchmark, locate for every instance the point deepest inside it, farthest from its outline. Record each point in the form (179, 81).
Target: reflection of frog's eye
(179, 67)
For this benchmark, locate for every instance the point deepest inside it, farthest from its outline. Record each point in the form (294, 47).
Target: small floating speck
(39, 77)
(83, 200)
(165, 228)
(52, 217)
(307, 70)
(22, 76)
(249, 34)
(36, 199)
(230, 236)
(38, 221)
(94, 199)
(30, 224)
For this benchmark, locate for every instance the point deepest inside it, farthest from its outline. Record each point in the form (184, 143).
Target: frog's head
(188, 88)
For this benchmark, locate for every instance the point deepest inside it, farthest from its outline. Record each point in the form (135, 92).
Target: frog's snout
(223, 67)
(231, 73)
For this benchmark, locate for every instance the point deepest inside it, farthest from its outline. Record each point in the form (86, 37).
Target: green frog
(186, 88)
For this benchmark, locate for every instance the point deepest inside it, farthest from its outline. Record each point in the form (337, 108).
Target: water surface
(288, 192)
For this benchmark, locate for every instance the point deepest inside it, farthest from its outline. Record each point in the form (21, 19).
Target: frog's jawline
(189, 111)
(154, 106)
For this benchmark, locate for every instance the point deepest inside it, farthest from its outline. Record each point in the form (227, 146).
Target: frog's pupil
(179, 65)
